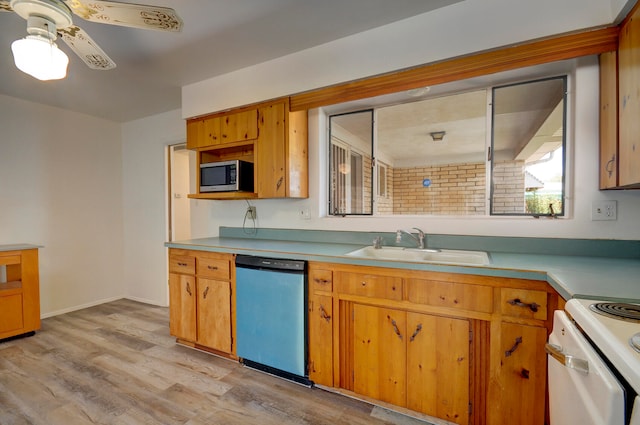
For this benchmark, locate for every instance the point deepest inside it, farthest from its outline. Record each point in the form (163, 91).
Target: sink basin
(444, 256)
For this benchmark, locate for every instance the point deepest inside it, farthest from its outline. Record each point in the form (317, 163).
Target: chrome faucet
(420, 239)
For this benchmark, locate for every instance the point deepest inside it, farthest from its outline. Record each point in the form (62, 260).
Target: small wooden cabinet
(19, 290)
(464, 348)
(620, 108)
(268, 135)
(200, 303)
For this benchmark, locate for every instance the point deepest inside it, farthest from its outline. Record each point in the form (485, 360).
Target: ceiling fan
(48, 19)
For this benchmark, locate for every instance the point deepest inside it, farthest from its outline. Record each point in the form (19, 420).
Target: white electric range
(594, 364)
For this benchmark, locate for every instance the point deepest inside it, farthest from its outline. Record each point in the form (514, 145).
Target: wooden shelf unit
(19, 292)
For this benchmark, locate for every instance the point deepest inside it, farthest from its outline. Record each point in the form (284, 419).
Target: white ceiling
(219, 36)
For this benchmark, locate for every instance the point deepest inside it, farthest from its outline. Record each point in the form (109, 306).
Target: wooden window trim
(537, 52)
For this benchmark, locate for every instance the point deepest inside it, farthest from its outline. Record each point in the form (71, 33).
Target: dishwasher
(271, 316)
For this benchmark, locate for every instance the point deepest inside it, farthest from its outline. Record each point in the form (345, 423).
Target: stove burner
(623, 311)
(634, 341)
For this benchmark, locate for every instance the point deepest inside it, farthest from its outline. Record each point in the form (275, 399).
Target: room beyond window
(495, 150)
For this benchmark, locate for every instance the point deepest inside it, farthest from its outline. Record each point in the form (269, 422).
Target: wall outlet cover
(604, 210)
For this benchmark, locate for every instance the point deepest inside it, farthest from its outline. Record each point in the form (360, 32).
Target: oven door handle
(571, 362)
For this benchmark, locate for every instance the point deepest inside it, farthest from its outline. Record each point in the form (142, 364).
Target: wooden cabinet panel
(195, 133)
(185, 264)
(629, 101)
(182, 306)
(370, 285)
(11, 318)
(239, 126)
(438, 366)
(211, 132)
(379, 353)
(321, 280)
(321, 339)
(270, 159)
(517, 391)
(450, 294)
(214, 314)
(608, 120)
(523, 303)
(213, 268)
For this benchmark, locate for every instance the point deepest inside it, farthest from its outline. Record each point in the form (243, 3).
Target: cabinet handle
(188, 288)
(279, 183)
(416, 332)
(395, 327)
(517, 302)
(610, 164)
(363, 283)
(517, 342)
(206, 291)
(212, 267)
(321, 281)
(182, 264)
(323, 314)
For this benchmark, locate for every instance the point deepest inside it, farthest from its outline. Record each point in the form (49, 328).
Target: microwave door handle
(571, 362)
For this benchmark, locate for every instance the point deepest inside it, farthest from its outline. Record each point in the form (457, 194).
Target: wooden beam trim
(563, 47)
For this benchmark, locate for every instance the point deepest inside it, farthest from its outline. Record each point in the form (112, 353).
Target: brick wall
(385, 204)
(508, 187)
(455, 190)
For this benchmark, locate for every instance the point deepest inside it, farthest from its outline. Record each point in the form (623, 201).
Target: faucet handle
(377, 242)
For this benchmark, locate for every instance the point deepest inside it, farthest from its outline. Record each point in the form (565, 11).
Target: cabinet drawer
(184, 264)
(321, 280)
(370, 285)
(451, 294)
(523, 303)
(213, 268)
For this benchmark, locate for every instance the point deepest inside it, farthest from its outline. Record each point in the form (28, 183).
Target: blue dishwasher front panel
(270, 318)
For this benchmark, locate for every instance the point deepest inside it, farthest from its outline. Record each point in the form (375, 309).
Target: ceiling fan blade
(127, 15)
(5, 6)
(87, 49)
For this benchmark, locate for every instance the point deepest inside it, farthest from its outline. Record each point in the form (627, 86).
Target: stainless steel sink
(444, 256)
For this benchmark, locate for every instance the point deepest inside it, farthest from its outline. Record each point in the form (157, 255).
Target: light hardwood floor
(117, 364)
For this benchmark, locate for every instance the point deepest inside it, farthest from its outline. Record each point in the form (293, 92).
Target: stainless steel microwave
(226, 176)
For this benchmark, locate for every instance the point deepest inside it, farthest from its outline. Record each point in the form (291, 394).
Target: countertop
(18, 247)
(572, 276)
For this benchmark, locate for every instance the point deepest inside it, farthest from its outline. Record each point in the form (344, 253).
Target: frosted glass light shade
(40, 58)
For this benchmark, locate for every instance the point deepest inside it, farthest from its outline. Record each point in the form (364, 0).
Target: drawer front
(523, 303)
(321, 280)
(213, 268)
(183, 264)
(451, 295)
(370, 285)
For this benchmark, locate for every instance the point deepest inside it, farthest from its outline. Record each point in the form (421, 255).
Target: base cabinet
(200, 302)
(463, 348)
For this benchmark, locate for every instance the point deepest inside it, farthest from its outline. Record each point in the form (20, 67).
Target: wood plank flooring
(117, 364)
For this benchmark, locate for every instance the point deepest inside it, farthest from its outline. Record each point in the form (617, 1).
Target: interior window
(487, 151)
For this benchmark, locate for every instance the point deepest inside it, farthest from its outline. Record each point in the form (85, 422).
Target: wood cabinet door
(270, 163)
(239, 126)
(211, 132)
(214, 314)
(517, 393)
(629, 101)
(321, 339)
(608, 120)
(182, 306)
(438, 366)
(379, 361)
(195, 134)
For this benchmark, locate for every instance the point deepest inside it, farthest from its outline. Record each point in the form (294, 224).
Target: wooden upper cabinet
(268, 135)
(608, 120)
(238, 127)
(629, 101)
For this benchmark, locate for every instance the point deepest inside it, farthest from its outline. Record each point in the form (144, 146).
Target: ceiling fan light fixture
(438, 136)
(40, 57)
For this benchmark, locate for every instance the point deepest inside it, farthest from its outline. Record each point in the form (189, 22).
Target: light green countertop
(572, 276)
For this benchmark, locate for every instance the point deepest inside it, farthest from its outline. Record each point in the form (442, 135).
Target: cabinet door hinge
(470, 408)
(470, 335)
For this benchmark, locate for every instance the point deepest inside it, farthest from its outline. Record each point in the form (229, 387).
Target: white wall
(144, 159)
(60, 187)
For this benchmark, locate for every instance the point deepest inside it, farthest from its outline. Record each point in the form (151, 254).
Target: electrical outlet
(604, 210)
(305, 214)
(252, 213)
